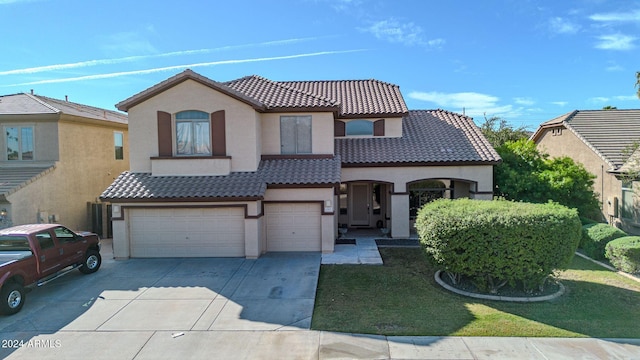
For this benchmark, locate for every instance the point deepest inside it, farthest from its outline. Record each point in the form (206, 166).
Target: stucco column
(400, 215)
(120, 240)
(252, 248)
(328, 230)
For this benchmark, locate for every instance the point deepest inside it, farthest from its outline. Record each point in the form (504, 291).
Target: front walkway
(364, 250)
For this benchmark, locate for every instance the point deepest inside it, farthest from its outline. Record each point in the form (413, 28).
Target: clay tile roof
(429, 137)
(238, 185)
(357, 97)
(22, 103)
(301, 171)
(14, 178)
(609, 133)
(275, 95)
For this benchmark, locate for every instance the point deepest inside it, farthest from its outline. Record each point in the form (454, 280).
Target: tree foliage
(498, 131)
(638, 82)
(526, 174)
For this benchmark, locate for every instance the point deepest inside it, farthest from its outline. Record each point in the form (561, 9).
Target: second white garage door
(293, 227)
(188, 232)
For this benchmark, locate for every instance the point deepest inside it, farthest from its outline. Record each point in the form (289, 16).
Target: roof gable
(609, 133)
(346, 98)
(188, 74)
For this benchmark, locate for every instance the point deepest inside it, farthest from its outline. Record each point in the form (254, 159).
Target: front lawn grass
(402, 298)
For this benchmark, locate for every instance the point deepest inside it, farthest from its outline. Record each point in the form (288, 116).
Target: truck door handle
(42, 257)
(61, 251)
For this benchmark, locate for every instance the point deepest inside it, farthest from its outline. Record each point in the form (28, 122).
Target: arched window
(193, 133)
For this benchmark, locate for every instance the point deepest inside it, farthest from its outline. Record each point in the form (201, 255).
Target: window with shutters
(193, 133)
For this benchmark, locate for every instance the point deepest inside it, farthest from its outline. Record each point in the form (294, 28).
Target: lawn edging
(608, 267)
(497, 297)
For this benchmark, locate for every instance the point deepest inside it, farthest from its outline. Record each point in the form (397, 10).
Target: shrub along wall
(596, 236)
(499, 242)
(624, 253)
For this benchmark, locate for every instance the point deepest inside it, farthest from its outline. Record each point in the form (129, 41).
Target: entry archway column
(400, 224)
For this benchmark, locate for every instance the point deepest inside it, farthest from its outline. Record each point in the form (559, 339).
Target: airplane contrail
(80, 64)
(175, 67)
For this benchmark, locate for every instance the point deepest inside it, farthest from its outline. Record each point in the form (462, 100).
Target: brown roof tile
(15, 178)
(238, 185)
(609, 133)
(429, 137)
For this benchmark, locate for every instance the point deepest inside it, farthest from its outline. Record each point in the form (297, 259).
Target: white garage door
(192, 232)
(293, 227)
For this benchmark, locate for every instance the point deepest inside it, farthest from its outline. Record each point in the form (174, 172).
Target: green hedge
(499, 242)
(596, 236)
(624, 253)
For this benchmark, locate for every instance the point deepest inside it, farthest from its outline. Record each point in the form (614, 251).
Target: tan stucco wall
(240, 121)
(568, 144)
(86, 168)
(401, 175)
(321, 132)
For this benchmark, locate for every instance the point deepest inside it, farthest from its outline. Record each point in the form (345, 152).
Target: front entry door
(360, 204)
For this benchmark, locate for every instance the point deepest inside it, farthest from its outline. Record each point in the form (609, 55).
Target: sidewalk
(305, 344)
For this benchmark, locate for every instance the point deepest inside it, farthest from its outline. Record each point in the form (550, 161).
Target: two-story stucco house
(56, 158)
(602, 140)
(247, 166)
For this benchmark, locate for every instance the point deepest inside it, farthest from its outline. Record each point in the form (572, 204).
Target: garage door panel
(293, 227)
(188, 232)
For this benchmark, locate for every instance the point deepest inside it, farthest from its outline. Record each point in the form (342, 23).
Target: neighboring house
(602, 140)
(252, 165)
(56, 158)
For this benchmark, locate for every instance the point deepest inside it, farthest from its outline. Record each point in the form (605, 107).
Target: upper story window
(193, 133)
(295, 134)
(19, 141)
(118, 143)
(359, 128)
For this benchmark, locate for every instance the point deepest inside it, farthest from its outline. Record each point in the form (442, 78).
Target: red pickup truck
(32, 255)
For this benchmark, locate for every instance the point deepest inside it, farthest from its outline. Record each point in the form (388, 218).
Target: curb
(496, 297)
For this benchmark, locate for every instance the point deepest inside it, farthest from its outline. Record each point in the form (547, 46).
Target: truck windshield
(14, 243)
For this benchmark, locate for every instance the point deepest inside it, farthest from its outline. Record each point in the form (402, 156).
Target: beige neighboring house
(56, 158)
(602, 140)
(244, 167)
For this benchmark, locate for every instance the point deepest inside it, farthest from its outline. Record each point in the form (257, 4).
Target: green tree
(609, 107)
(526, 174)
(638, 82)
(498, 131)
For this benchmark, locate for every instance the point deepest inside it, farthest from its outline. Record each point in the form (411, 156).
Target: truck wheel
(13, 297)
(91, 262)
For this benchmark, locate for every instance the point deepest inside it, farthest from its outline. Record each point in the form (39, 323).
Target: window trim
(115, 145)
(174, 134)
(20, 153)
(296, 137)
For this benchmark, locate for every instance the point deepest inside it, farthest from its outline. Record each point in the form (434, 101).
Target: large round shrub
(499, 242)
(596, 236)
(624, 253)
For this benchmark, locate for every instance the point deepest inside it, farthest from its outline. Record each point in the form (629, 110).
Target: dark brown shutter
(338, 128)
(165, 140)
(378, 128)
(218, 136)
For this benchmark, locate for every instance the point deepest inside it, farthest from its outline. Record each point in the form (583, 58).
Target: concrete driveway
(274, 292)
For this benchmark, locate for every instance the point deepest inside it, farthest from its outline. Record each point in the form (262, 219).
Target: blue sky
(523, 61)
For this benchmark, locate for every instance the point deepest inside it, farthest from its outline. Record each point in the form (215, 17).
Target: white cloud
(626, 98)
(563, 26)
(394, 31)
(472, 103)
(614, 67)
(127, 43)
(524, 101)
(599, 99)
(629, 16)
(616, 42)
(559, 103)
